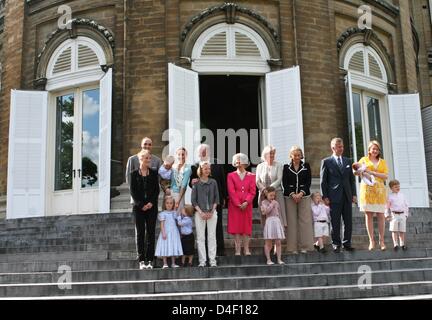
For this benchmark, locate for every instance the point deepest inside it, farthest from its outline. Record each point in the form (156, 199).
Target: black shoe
(396, 248)
(404, 248)
(322, 250)
(317, 248)
(336, 249)
(348, 248)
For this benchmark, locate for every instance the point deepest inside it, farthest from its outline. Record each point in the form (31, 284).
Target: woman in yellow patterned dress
(373, 198)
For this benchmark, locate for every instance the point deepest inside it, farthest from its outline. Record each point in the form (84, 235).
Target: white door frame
(77, 153)
(385, 125)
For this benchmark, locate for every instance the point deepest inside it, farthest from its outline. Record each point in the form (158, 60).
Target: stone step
(300, 293)
(217, 284)
(127, 259)
(112, 246)
(127, 242)
(54, 256)
(222, 271)
(416, 215)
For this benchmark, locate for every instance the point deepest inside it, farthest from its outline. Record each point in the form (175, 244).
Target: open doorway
(230, 102)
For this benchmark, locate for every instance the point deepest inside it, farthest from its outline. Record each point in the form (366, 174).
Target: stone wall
(308, 33)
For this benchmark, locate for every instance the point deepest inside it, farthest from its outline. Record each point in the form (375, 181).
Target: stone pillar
(146, 75)
(317, 54)
(406, 49)
(12, 76)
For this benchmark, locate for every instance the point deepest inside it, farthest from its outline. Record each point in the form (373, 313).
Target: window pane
(358, 125)
(90, 139)
(374, 117)
(64, 142)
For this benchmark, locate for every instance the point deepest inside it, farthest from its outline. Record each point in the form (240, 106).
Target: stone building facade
(142, 40)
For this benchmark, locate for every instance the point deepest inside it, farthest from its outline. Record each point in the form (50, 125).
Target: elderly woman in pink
(241, 193)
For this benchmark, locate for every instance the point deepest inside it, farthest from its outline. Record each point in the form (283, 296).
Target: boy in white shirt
(397, 213)
(321, 219)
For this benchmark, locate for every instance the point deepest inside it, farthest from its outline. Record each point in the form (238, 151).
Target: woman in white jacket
(269, 174)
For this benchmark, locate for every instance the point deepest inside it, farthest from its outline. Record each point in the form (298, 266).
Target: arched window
(367, 88)
(230, 48)
(75, 61)
(367, 68)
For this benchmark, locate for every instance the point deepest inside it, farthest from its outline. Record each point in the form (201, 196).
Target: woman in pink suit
(241, 193)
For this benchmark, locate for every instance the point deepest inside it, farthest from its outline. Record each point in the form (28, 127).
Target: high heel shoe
(371, 246)
(383, 247)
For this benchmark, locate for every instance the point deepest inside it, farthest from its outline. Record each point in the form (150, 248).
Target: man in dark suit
(339, 192)
(217, 173)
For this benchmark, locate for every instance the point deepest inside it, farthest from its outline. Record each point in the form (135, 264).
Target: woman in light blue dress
(169, 242)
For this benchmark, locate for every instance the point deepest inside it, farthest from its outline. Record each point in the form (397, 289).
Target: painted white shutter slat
(284, 111)
(408, 147)
(105, 142)
(184, 110)
(27, 154)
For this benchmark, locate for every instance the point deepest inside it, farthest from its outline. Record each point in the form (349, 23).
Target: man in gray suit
(339, 192)
(133, 161)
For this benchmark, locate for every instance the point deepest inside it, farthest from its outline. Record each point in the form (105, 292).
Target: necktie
(339, 163)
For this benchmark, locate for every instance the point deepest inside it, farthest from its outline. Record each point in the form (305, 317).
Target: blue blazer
(336, 184)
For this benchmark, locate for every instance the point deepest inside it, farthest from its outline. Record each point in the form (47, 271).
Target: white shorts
(398, 223)
(321, 229)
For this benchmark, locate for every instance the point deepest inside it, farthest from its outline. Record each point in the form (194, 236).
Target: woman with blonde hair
(373, 197)
(269, 174)
(296, 181)
(180, 176)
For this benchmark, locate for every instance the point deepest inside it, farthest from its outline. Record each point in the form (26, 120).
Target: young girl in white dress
(273, 229)
(169, 242)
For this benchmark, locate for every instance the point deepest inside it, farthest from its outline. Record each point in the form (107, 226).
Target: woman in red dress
(241, 193)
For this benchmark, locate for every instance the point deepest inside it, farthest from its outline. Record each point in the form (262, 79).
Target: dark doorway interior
(229, 102)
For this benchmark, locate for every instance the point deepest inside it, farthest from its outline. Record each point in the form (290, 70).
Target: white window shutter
(284, 111)
(105, 142)
(27, 154)
(184, 110)
(408, 148)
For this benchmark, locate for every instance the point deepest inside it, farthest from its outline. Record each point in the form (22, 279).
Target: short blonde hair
(200, 168)
(169, 159)
(143, 153)
(294, 149)
(189, 210)
(243, 159)
(374, 143)
(314, 194)
(266, 151)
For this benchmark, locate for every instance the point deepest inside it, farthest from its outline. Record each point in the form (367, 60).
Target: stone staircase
(99, 250)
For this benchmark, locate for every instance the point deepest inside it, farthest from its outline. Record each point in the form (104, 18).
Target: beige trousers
(300, 226)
